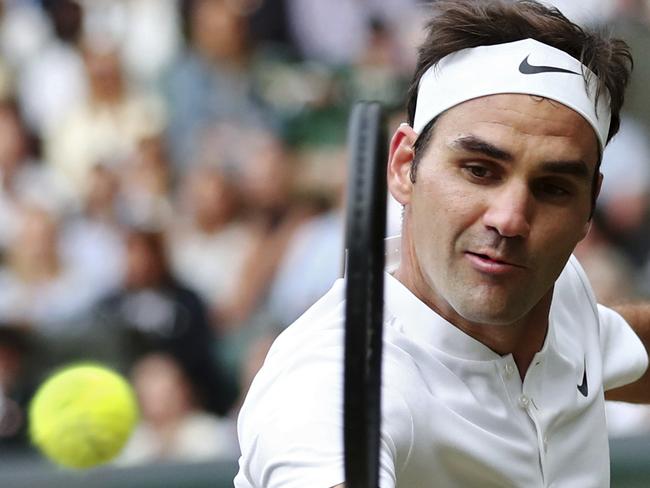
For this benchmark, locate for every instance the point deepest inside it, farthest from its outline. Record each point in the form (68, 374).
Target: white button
(510, 369)
(545, 440)
(524, 401)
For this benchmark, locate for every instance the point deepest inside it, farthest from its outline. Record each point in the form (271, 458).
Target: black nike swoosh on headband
(528, 69)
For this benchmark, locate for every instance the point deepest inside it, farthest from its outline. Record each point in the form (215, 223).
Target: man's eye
(553, 190)
(479, 171)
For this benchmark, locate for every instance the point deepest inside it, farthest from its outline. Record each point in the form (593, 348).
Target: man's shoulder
(301, 378)
(312, 345)
(291, 423)
(573, 287)
(324, 319)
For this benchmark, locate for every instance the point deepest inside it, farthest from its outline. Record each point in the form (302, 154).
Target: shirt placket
(522, 399)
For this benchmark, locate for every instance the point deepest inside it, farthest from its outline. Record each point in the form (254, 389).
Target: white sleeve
(624, 356)
(298, 436)
(291, 430)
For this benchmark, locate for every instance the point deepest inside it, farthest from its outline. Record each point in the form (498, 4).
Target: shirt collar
(424, 326)
(420, 323)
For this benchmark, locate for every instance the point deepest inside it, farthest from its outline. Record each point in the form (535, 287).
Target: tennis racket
(364, 241)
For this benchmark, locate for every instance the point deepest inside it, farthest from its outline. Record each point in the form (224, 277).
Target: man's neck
(523, 338)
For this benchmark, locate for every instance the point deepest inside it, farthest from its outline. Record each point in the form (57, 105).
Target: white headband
(528, 67)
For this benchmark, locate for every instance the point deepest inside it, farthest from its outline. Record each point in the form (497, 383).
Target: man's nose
(509, 211)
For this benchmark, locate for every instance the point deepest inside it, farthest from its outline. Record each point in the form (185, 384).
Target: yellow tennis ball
(82, 416)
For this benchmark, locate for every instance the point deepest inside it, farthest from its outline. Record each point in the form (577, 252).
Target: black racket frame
(364, 241)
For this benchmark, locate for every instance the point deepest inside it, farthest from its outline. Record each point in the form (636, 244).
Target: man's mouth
(492, 263)
(489, 258)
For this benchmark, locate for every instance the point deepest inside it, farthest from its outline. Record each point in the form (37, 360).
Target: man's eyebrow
(472, 143)
(573, 168)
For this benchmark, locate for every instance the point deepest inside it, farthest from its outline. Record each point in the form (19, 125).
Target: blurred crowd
(172, 182)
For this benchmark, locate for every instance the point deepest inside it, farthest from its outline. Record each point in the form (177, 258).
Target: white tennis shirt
(454, 413)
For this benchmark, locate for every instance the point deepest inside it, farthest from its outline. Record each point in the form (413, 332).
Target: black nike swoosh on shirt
(528, 69)
(584, 387)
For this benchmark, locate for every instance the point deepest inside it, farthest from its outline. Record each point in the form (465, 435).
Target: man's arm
(638, 316)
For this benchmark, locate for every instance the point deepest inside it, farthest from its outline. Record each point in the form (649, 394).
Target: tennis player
(497, 358)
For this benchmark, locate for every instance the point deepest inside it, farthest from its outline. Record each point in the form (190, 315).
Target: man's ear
(400, 160)
(599, 185)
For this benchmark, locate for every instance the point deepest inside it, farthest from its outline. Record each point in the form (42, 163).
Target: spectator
(610, 272)
(92, 240)
(272, 213)
(22, 175)
(314, 257)
(311, 23)
(209, 242)
(173, 426)
(54, 79)
(38, 287)
(15, 388)
(211, 80)
(311, 264)
(24, 30)
(152, 310)
(149, 32)
(106, 127)
(624, 200)
(376, 74)
(146, 180)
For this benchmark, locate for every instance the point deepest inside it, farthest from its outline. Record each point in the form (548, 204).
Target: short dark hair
(462, 24)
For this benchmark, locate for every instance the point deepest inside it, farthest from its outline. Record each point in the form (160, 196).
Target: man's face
(502, 196)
